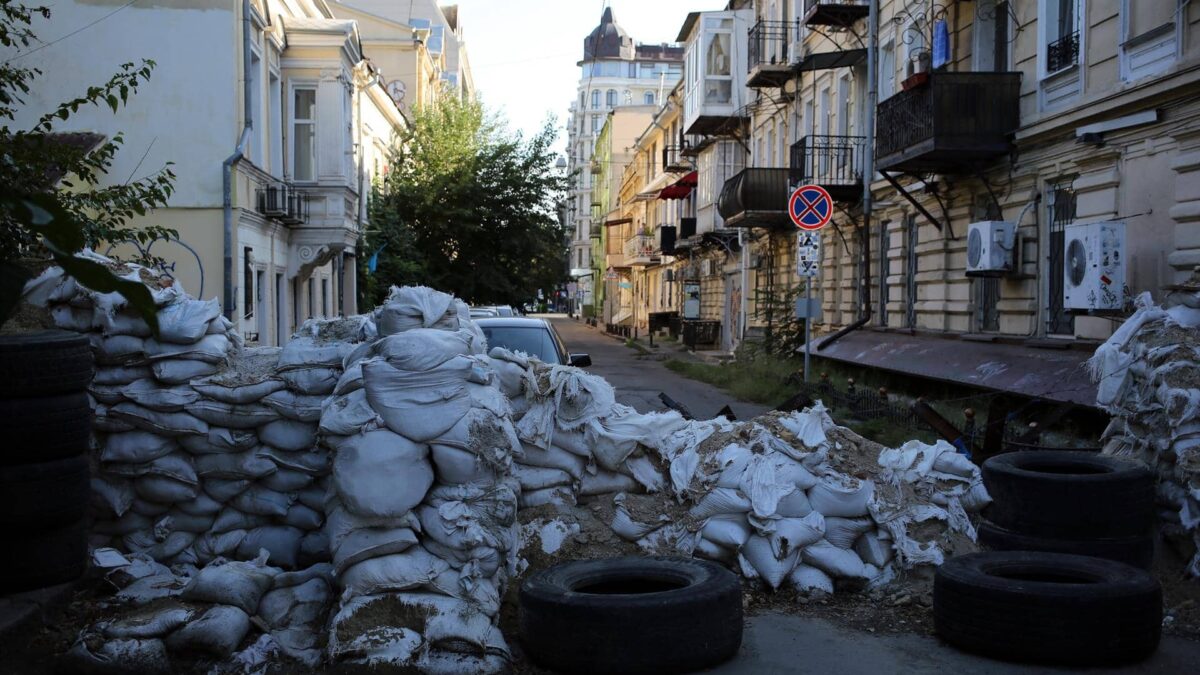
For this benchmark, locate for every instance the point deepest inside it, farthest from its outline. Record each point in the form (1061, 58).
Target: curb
(33, 609)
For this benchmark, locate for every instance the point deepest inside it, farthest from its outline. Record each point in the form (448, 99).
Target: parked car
(534, 337)
(483, 312)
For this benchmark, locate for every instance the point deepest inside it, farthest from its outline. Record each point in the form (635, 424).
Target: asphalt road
(639, 379)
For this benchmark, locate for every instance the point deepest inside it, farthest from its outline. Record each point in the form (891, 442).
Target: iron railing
(1062, 53)
(674, 161)
(828, 161)
(834, 12)
(954, 117)
(641, 249)
(754, 191)
(769, 43)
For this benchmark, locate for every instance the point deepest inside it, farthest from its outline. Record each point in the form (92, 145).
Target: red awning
(681, 188)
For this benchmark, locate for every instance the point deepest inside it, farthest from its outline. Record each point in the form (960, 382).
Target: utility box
(991, 246)
(1094, 262)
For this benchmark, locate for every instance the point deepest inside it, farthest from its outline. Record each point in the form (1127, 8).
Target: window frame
(293, 121)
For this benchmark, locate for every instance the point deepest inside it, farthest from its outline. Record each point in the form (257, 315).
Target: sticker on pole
(810, 207)
(808, 254)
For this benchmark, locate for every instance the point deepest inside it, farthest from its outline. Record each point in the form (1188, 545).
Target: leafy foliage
(470, 208)
(52, 204)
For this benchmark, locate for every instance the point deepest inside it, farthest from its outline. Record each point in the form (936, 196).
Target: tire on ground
(1137, 551)
(43, 558)
(44, 428)
(1079, 495)
(1047, 608)
(631, 615)
(44, 363)
(43, 495)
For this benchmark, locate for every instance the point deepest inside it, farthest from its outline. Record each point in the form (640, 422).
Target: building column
(350, 283)
(1186, 211)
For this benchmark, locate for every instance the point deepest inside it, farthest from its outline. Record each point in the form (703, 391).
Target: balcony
(833, 162)
(282, 202)
(1062, 53)
(641, 250)
(674, 161)
(949, 124)
(713, 92)
(838, 13)
(755, 198)
(768, 61)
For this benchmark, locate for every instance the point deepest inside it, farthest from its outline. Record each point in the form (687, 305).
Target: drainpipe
(227, 166)
(868, 176)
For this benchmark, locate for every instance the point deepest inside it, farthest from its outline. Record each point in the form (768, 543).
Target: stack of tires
(45, 425)
(1070, 502)
(1066, 581)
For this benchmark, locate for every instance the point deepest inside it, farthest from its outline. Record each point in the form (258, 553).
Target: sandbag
(232, 415)
(220, 440)
(311, 381)
(151, 394)
(293, 406)
(806, 578)
(411, 307)
(454, 466)
(147, 656)
(607, 482)
(873, 550)
(729, 530)
(119, 349)
(281, 542)
(202, 505)
(136, 447)
(217, 632)
(223, 490)
(121, 375)
(247, 465)
(296, 614)
(381, 473)
(831, 499)
(286, 480)
(834, 561)
(241, 584)
(415, 568)
(758, 553)
(720, 501)
(307, 352)
(214, 545)
(420, 349)
(789, 534)
(367, 543)
(539, 478)
(313, 463)
(419, 406)
(289, 435)
(349, 415)
(210, 348)
(259, 500)
(302, 517)
(186, 321)
(148, 622)
(843, 532)
(182, 371)
(553, 458)
(238, 394)
(161, 423)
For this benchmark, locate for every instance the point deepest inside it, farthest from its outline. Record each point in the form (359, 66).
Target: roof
(608, 40)
(511, 322)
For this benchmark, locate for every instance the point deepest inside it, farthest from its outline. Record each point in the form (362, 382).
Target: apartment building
(274, 142)
(615, 72)
(1020, 146)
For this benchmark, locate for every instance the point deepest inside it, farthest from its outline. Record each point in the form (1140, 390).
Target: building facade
(614, 72)
(275, 142)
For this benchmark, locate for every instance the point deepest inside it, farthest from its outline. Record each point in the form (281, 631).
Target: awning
(653, 188)
(681, 188)
(1054, 374)
(618, 221)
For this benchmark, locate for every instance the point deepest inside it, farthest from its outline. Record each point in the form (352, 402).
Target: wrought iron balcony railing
(1062, 53)
(768, 64)
(755, 198)
(833, 162)
(840, 13)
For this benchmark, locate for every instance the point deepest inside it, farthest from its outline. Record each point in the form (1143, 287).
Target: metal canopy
(825, 60)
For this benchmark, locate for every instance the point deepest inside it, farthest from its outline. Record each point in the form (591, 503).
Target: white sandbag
(573, 441)
(164, 490)
(420, 406)
(262, 501)
(607, 482)
(511, 377)
(162, 423)
(212, 545)
(806, 579)
(290, 435)
(239, 394)
(758, 554)
(340, 523)
(454, 466)
(553, 458)
(104, 657)
(538, 478)
(794, 505)
(210, 348)
(720, 501)
(301, 517)
(231, 519)
(241, 584)
(135, 447)
(420, 349)
(108, 394)
(350, 380)
(185, 522)
(381, 473)
(148, 622)
(149, 508)
(413, 307)
(713, 551)
(307, 352)
(729, 530)
(293, 406)
(831, 499)
(119, 349)
(644, 471)
(124, 323)
(873, 550)
(233, 415)
(297, 614)
(458, 526)
(181, 371)
(111, 496)
(153, 395)
(103, 421)
(790, 534)
(558, 496)
(186, 321)
(223, 490)
(202, 505)
(311, 381)
(217, 632)
(837, 562)
(286, 480)
(349, 415)
(415, 568)
(313, 462)
(373, 542)
(71, 318)
(843, 532)
(247, 465)
(218, 440)
(128, 523)
(121, 375)
(629, 529)
(281, 542)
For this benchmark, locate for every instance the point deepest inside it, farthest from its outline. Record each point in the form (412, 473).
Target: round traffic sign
(810, 207)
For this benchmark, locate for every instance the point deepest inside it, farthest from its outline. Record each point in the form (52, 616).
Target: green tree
(470, 208)
(51, 202)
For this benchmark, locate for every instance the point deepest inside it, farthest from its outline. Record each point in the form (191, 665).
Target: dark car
(534, 337)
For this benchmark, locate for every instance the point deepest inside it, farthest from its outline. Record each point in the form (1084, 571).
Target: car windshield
(533, 341)
(504, 311)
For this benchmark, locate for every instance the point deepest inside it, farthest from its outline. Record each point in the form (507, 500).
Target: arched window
(648, 99)
(595, 98)
(610, 99)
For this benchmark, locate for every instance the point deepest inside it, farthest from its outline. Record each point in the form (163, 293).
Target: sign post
(810, 208)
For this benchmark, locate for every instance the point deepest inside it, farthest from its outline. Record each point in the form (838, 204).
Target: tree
(470, 208)
(51, 202)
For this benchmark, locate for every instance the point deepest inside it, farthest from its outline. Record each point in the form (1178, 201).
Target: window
(1061, 212)
(991, 37)
(595, 99)
(304, 133)
(1062, 33)
(718, 68)
(324, 297)
(258, 122)
(247, 283)
(311, 298)
(1150, 35)
(260, 294)
(275, 140)
(910, 271)
(648, 98)
(280, 303)
(595, 124)
(610, 98)
(887, 71)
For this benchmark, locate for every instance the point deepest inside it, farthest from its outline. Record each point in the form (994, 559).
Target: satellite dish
(1076, 262)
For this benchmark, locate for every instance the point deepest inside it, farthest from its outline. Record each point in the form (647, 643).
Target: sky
(524, 52)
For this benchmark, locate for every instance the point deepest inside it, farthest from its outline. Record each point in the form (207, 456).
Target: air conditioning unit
(990, 248)
(795, 53)
(1094, 266)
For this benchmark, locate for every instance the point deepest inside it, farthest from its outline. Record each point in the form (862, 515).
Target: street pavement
(639, 379)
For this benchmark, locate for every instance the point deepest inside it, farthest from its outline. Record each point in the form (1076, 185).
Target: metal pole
(808, 323)
(869, 151)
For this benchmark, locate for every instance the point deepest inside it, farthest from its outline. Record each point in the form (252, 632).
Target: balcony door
(991, 37)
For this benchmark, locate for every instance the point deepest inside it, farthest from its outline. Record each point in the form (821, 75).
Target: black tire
(1077, 495)
(1136, 551)
(1047, 608)
(45, 428)
(631, 615)
(45, 495)
(43, 558)
(44, 363)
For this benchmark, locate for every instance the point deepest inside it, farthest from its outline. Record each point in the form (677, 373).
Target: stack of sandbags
(1148, 374)
(421, 510)
(208, 616)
